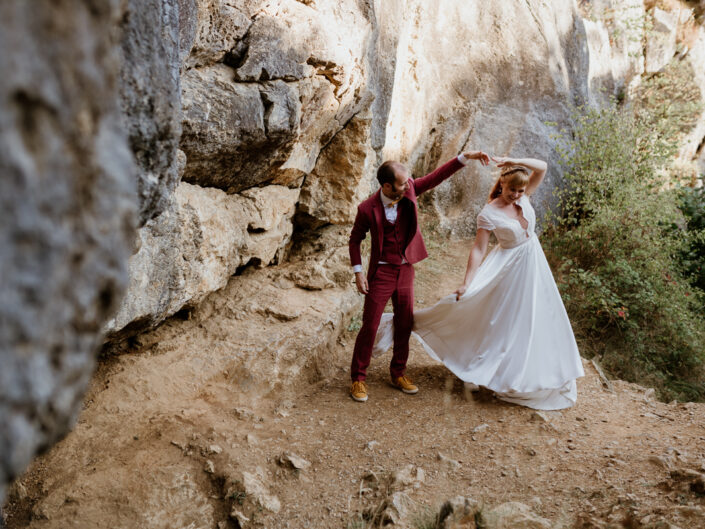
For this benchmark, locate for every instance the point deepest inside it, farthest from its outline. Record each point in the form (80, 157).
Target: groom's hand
(361, 282)
(477, 155)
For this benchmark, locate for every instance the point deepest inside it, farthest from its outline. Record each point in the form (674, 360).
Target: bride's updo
(512, 175)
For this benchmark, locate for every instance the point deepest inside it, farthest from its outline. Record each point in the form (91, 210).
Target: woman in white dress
(506, 327)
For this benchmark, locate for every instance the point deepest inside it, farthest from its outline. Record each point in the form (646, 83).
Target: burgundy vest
(395, 237)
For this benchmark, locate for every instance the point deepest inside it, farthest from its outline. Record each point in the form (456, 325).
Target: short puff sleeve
(484, 223)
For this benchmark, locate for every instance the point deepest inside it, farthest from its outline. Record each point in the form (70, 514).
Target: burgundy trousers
(397, 282)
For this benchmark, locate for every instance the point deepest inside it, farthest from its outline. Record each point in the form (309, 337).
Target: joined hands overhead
(477, 155)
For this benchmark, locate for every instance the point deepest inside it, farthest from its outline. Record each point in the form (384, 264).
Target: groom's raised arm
(446, 170)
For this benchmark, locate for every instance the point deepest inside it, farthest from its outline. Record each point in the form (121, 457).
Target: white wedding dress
(509, 332)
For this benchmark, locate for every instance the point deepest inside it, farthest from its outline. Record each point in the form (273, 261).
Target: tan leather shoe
(359, 391)
(405, 384)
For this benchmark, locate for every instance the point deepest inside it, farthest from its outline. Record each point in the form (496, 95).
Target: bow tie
(393, 203)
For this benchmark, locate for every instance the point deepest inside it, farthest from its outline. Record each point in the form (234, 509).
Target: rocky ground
(160, 444)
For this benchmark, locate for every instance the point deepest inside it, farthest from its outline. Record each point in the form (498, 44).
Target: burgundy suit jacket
(370, 215)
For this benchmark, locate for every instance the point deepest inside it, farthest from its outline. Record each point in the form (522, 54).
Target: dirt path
(308, 456)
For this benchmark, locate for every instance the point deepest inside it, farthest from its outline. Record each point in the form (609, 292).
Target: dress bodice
(509, 232)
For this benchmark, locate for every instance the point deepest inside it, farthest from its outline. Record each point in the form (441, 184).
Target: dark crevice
(268, 104)
(701, 148)
(251, 264)
(237, 56)
(184, 314)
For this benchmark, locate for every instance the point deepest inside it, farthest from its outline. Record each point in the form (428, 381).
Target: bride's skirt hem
(544, 399)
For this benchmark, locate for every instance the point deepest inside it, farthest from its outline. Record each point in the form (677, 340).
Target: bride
(505, 328)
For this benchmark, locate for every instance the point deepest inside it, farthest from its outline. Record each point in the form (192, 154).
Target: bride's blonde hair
(512, 175)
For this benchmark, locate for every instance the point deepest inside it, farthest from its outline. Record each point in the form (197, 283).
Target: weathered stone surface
(234, 133)
(625, 21)
(257, 490)
(342, 176)
(253, 116)
(67, 214)
(600, 76)
(197, 244)
(494, 91)
(213, 29)
(320, 259)
(150, 97)
(694, 140)
(661, 39)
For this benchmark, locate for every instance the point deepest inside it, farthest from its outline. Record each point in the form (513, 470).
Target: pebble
(452, 463)
(294, 461)
(480, 428)
(659, 461)
(243, 413)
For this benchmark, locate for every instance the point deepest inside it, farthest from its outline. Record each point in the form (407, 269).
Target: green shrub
(616, 254)
(691, 201)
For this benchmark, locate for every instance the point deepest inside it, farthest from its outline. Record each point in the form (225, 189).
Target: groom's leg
(403, 301)
(380, 290)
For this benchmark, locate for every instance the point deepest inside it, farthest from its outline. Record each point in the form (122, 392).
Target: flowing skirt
(509, 332)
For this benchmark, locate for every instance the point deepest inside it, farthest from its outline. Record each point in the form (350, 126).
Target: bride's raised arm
(477, 254)
(538, 169)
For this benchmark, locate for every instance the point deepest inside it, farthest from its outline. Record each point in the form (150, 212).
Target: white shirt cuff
(357, 268)
(463, 160)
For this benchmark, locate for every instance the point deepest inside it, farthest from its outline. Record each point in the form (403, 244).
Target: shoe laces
(359, 385)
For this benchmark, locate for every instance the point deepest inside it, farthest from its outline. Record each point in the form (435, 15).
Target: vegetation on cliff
(627, 243)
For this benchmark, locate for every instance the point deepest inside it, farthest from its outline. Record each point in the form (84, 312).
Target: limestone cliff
(161, 147)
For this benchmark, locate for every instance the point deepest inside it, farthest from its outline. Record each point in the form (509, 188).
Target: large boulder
(67, 214)
(252, 116)
(194, 247)
(340, 180)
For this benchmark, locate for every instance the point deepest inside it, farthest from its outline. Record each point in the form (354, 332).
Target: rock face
(340, 180)
(253, 116)
(693, 145)
(463, 80)
(624, 21)
(150, 97)
(200, 241)
(67, 214)
(403, 81)
(661, 40)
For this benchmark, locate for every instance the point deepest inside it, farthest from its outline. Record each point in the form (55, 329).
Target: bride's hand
(502, 161)
(458, 293)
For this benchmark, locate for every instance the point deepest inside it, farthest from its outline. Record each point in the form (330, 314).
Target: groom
(390, 215)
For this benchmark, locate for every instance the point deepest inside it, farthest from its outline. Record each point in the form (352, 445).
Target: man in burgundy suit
(390, 215)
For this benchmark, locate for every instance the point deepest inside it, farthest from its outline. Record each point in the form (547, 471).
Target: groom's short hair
(387, 172)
